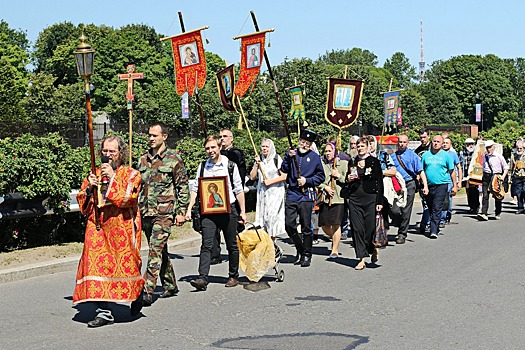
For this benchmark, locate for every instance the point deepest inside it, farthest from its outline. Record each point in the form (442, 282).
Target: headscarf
(331, 144)
(271, 154)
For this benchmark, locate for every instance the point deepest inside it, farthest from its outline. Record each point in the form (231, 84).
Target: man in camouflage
(163, 201)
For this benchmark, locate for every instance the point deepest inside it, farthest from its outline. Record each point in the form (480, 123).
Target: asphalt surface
(465, 290)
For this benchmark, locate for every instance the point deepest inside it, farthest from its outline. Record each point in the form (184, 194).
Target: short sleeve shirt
(437, 167)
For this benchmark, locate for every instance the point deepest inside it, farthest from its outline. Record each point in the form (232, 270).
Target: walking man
(109, 267)
(517, 171)
(163, 201)
(493, 164)
(465, 156)
(301, 194)
(218, 165)
(439, 170)
(446, 214)
(410, 167)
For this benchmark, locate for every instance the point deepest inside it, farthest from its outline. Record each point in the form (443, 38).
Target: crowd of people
(360, 193)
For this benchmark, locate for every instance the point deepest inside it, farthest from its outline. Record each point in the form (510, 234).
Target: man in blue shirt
(301, 194)
(439, 170)
(410, 167)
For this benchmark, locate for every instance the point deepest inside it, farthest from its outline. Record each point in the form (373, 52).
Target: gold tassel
(338, 142)
(239, 123)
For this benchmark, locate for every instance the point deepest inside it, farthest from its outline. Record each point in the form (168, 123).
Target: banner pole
(250, 135)
(283, 116)
(197, 98)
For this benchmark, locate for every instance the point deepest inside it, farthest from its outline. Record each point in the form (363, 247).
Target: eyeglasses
(109, 151)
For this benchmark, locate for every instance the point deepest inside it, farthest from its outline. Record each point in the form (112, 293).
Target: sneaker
(520, 212)
(497, 217)
(442, 225)
(315, 242)
(433, 236)
(344, 236)
(483, 217)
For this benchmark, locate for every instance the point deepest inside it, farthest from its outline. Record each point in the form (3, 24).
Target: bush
(41, 167)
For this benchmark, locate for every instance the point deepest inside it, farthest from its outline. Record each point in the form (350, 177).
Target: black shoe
(215, 261)
(136, 305)
(199, 284)
(299, 258)
(98, 322)
(400, 239)
(169, 293)
(306, 261)
(147, 299)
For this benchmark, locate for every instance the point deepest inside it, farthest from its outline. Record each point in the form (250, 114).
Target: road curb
(68, 264)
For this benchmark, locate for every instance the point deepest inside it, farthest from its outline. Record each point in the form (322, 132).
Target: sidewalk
(67, 264)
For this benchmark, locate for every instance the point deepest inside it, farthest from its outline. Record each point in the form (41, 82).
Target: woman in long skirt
(269, 210)
(366, 198)
(331, 209)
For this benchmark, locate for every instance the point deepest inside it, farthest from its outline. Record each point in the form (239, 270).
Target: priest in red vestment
(109, 268)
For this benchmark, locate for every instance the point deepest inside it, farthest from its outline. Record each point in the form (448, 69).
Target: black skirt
(331, 215)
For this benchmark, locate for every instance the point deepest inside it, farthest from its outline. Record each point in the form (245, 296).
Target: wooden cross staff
(130, 76)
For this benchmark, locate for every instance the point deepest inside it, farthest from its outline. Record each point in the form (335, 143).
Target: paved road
(465, 290)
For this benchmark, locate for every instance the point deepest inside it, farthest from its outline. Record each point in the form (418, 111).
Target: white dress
(269, 211)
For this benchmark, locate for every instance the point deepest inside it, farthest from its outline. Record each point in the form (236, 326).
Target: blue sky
(305, 28)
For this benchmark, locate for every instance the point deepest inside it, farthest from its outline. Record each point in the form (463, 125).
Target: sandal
(361, 265)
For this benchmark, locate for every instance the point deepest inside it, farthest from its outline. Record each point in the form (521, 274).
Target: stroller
(258, 253)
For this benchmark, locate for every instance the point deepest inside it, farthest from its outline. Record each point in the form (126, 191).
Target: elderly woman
(332, 208)
(365, 201)
(269, 210)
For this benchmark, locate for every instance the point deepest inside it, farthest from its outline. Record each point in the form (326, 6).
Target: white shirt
(220, 169)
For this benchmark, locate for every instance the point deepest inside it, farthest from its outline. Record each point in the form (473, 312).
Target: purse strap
(404, 167)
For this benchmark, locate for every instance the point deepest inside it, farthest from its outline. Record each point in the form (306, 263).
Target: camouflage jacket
(165, 189)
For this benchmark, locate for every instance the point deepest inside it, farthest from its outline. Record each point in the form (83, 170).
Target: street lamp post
(84, 58)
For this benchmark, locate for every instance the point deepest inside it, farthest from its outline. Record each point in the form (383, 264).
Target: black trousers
(472, 197)
(485, 200)
(304, 211)
(211, 225)
(363, 221)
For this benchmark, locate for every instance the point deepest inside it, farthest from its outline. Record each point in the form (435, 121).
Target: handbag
(196, 216)
(380, 236)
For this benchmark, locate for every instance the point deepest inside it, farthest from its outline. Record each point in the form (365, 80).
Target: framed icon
(188, 54)
(214, 195)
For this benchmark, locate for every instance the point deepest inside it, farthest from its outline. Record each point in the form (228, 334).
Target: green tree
(13, 73)
(355, 57)
(399, 65)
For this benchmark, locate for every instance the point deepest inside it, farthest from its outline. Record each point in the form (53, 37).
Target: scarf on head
(271, 154)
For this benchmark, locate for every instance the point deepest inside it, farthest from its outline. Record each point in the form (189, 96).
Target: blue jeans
(435, 198)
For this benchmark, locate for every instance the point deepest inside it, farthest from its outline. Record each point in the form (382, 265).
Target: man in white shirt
(217, 165)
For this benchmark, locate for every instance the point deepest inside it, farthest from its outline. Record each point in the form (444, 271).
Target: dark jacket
(371, 182)
(311, 169)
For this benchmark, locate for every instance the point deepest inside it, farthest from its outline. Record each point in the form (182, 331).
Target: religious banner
(391, 107)
(344, 101)
(190, 61)
(297, 110)
(185, 106)
(252, 51)
(225, 84)
(475, 168)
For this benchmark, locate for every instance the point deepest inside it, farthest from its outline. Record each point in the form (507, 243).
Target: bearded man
(301, 194)
(465, 156)
(109, 267)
